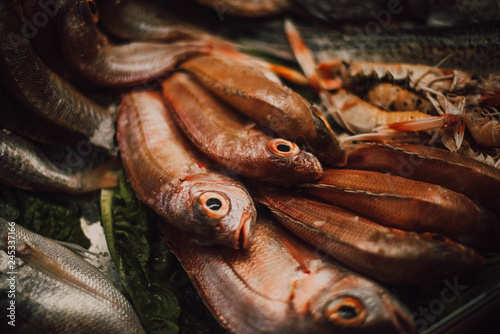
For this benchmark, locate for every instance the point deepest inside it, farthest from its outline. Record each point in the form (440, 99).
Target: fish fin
(77, 249)
(292, 244)
(103, 176)
(51, 267)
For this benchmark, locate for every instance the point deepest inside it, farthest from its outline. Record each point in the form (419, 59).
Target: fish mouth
(400, 320)
(243, 233)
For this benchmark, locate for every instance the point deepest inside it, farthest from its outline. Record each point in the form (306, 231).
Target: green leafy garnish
(130, 232)
(43, 214)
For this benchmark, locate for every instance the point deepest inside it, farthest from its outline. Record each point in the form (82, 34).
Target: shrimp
(354, 74)
(484, 126)
(492, 160)
(358, 116)
(394, 97)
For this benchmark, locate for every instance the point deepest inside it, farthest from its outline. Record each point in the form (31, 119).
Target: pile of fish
(204, 132)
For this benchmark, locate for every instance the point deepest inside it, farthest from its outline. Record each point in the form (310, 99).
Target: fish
(408, 205)
(232, 140)
(46, 44)
(254, 8)
(55, 290)
(94, 56)
(128, 20)
(28, 124)
(470, 47)
(386, 254)
(37, 88)
(169, 175)
(282, 285)
(271, 105)
(383, 11)
(25, 166)
(476, 180)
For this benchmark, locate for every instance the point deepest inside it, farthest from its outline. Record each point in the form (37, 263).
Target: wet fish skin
(171, 176)
(24, 166)
(94, 56)
(142, 21)
(464, 175)
(386, 254)
(271, 105)
(18, 119)
(232, 140)
(281, 285)
(474, 48)
(364, 11)
(343, 10)
(59, 292)
(40, 90)
(408, 205)
(246, 8)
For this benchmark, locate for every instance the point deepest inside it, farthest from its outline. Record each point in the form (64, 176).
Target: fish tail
(103, 176)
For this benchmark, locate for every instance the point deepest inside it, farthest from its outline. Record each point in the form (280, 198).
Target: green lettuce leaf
(43, 214)
(131, 233)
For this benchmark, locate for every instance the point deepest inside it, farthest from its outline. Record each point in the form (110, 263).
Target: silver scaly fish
(56, 291)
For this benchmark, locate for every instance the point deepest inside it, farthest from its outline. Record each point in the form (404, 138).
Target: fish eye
(282, 147)
(345, 312)
(213, 205)
(434, 237)
(93, 11)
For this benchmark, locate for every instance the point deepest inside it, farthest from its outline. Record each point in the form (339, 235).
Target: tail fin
(103, 176)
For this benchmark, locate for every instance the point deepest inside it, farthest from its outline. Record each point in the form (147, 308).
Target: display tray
(478, 316)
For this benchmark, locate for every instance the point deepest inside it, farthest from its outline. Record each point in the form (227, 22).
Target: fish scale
(407, 258)
(58, 292)
(409, 205)
(472, 178)
(225, 136)
(40, 90)
(171, 176)
(24, 166)
(271, 105)
(265, 289)
(474, 48)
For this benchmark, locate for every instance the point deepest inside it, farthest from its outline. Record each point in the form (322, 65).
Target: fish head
(324, 143)
(352, 304)
(223, 212)
(295, 165)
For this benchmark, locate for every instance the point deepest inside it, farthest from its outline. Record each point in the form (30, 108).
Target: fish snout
(243, 234)
(239, 237)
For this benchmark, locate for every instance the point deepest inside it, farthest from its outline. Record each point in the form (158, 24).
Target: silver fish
(473, 48)
(23, 165)
(56, 291)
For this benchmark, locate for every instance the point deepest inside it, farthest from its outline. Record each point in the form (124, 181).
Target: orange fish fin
(294, 246)
(103, 176)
